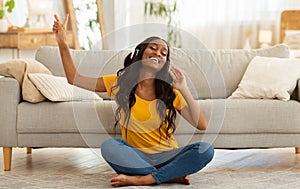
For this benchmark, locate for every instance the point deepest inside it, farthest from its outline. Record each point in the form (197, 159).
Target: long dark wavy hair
(127, 81)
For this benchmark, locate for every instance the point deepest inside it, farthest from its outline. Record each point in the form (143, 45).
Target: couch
(212, 75)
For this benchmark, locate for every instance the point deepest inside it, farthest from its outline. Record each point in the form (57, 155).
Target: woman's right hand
(60, 29)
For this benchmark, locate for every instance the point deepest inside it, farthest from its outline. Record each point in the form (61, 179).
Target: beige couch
(211, 75)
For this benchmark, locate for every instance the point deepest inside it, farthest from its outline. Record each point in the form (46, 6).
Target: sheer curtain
(227, 23)
(217, 23)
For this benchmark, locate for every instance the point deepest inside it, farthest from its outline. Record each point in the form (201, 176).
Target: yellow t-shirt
(143, 126)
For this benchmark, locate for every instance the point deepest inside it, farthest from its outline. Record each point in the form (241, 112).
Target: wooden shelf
(29, 30)
(31, 39)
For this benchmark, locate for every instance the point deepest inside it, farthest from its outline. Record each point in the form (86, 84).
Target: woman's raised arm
(74, 78)
(192, 113)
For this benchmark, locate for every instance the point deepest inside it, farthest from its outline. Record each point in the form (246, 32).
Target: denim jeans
(164, 166)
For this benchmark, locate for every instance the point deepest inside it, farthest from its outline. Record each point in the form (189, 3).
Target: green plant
(1, 13)
(165, 9)
(88, 28)
(9, 5)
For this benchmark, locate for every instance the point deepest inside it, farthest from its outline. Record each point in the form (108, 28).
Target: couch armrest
(10, 96)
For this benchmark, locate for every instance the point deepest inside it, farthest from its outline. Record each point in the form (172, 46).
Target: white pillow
(58, 89)
(292, 38)
(268, 78)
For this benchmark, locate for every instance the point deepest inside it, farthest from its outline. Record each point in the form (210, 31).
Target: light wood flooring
(54, 160)
(88, 161)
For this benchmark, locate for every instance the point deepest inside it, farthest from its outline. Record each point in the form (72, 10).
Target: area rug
(212, 180)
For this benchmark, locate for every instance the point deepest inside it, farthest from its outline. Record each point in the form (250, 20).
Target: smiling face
(155, 55)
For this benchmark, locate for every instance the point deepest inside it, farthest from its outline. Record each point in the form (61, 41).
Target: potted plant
(166, 10)
(9, 5)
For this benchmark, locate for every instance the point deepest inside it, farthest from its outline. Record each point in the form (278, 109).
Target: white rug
(230, 169)
(212, 180)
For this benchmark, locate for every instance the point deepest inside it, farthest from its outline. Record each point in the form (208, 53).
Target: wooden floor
(54, 160)
(84, 160)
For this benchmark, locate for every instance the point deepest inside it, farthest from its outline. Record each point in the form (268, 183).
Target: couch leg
(7, 152)
(28, 150)
(297, 150)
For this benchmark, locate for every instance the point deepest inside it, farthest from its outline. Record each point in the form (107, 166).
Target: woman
(149, 93)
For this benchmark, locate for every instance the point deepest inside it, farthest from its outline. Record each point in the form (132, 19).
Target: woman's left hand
(179, 81)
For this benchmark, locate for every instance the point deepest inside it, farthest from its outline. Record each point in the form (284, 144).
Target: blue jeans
(125, 159)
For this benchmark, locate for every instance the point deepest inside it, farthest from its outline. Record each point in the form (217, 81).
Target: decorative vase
(3, 25)
(247, 45)
(248, 33)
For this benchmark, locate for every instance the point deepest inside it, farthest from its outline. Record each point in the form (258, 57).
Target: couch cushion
(224, 116)
(210, 73)
(251, 116)
(217, 73)
(66, 117)
(88, 62)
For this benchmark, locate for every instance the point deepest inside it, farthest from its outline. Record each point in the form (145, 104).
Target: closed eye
(164, 53)
(152, 47)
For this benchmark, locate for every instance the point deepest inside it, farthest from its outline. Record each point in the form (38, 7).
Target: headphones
(134, 53)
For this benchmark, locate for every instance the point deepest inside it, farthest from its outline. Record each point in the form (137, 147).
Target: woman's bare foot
(125, 180)
(182, 180)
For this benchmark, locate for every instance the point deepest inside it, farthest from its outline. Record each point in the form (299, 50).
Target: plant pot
(3, 25)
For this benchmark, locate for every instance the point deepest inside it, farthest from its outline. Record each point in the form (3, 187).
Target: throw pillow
(57, 88)
(268, 78)
(292, 38)
(19, 69)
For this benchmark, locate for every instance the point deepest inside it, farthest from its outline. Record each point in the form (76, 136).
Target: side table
(31, 39)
